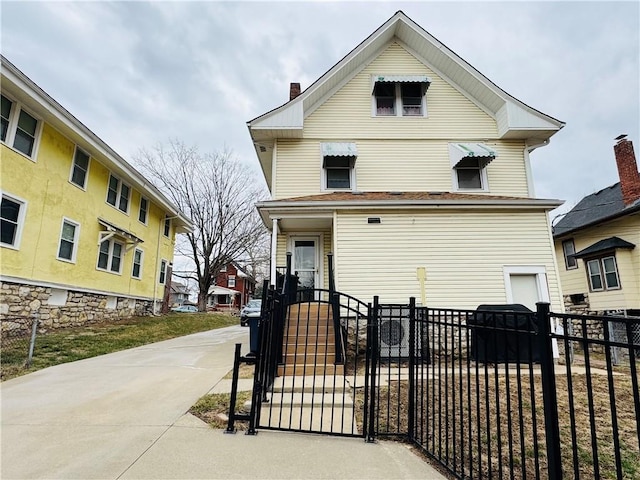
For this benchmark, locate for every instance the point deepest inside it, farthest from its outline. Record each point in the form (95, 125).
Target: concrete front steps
(308, 403)
(309, 343)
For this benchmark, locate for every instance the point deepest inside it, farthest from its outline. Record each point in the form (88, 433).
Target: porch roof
(315, 207)
(218, 290)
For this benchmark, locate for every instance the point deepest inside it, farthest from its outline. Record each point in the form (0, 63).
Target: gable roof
(179, 288)
(26, 91)
(515, 119)
(241, 271)
(593, 209)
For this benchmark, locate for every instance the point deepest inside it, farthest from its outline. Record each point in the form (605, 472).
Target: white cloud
(138, 73)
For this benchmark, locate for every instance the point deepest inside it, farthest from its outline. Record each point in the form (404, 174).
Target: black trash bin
(254, 341)
(493, 342)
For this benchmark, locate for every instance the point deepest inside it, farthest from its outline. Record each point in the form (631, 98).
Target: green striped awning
(459, 152)
(339, 149)
(402, 78)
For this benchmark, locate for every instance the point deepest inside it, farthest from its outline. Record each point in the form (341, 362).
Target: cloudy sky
(138, 73)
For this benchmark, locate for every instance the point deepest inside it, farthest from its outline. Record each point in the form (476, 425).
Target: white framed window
(163, 272)
(393, 97)
(13, 210)
(18, 128)
(338, 165)
(79, 168)
(469, 165)
(338, 173)
(110, 255)
(470, 174)
(232, 281)
(118, 194)
(144, 210)
(603, 274)
(68, 246)
(5, 117)
(568, 249)
(167, 225)
(138, 257)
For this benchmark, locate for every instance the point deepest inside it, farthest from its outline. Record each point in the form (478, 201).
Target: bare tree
(218, 193)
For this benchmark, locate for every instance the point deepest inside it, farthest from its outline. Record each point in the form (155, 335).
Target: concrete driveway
(123, 415)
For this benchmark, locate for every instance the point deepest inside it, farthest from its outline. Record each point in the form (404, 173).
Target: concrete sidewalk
(122, 415)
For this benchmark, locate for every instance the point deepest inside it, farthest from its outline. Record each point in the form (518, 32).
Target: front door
(305, 265)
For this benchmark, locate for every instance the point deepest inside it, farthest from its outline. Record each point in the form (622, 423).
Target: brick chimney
(627, 170)
(294, 90)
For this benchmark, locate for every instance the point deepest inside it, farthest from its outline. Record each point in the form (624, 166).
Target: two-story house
(597, 244)
(178, 294)
(234, 286)
(84, 235)
(413, 169)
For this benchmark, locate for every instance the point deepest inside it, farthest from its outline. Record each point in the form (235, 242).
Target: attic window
(400, 95)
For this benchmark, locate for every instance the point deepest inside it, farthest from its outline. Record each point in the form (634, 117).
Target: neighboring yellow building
(412, 168)
(84, 235)
(597, 244)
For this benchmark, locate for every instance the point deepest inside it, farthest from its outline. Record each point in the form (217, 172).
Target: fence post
(32, 342)
(372, 351)
(234, 390)
(549, 393)
(412, 363)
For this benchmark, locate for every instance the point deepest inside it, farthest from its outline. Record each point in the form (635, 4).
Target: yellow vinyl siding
(464, 253)
(401, 165)
(298, 168)
(281, 251)
(348, 113)
(50, 196)
(628, 261)
(397, 153)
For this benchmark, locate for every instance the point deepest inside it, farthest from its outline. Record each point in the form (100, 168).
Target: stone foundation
(20, 303)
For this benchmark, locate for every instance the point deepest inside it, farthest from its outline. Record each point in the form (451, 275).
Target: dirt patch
(493, 426)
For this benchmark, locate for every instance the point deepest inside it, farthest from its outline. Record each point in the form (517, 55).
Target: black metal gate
(312, 368)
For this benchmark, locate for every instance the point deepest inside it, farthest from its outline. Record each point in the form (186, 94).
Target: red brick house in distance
(237, 287)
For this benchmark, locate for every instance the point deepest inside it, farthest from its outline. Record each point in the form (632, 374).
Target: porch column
(274, 247)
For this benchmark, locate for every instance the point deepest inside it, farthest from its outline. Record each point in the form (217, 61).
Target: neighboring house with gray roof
(179, 294)
(597, 240)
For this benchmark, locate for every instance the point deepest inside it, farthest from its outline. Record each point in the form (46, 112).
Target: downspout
(274, 246)
(527, 165)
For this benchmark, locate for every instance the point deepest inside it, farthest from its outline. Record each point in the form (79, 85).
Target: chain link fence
(17, 341)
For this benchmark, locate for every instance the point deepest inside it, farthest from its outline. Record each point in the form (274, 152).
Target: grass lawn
(71, 344)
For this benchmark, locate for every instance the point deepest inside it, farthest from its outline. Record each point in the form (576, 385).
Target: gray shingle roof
(595, 208)
(610, 243)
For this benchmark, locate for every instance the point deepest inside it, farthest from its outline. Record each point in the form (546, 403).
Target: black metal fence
(493, 394)
(499, 392)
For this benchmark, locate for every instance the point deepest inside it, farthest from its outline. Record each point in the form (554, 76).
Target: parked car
(185, 309)
(250, 310)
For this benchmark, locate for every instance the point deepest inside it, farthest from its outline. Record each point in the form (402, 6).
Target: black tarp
(499, 333)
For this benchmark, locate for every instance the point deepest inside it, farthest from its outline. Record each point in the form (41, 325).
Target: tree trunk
(202, 302)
